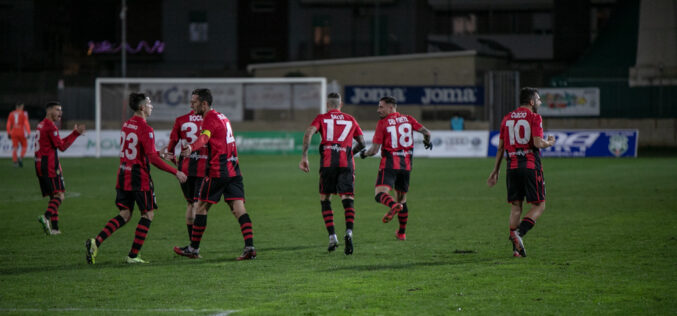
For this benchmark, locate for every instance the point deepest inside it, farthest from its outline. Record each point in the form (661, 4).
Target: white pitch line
(218, 312)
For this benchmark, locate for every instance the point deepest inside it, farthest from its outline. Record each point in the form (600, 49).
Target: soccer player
(394, 136)
(134, 183)
(186, 131)
(521, 138)
(337, 166)
(18, 130)
(48, 167)
(224, 177)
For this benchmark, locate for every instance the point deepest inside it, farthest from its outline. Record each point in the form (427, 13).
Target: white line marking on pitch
(218, 312)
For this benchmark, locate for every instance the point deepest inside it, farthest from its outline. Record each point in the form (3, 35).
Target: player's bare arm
(360, 144)
(304, 164)
(493, 176)
(426, 138)
(540, 143)
(371, 151)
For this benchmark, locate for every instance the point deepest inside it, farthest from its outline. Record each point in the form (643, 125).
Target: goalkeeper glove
(428, 145)
(362, 153)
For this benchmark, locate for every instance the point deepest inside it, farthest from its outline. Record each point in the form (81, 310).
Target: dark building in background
(55, 49)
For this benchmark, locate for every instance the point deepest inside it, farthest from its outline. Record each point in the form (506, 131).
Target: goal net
(240, 99)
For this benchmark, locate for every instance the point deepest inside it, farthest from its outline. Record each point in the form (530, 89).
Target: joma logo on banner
(437, 95)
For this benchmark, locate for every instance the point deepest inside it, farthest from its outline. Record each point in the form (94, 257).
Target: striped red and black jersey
(221, 148)
(137, 144)
(337, 131)
(185, 132)
(47, 141)
(395, 134)
(518, 130)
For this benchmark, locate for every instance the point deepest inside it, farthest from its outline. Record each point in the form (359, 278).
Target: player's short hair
(389, 100)
(334, 100)
(203, 95)
(135, 99)
(52, 104)
(18, 104)
(527, 94)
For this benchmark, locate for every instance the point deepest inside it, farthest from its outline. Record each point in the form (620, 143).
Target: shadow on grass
(409, 265)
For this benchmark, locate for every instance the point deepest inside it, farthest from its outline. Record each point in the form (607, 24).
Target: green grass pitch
(607, 244)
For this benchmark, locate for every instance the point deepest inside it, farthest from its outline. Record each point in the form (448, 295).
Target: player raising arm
(337, 166)
(47, 165)
(521, 138)
(134, 183)
(395, 138)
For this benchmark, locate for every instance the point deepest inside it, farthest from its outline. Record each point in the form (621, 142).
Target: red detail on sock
(526, 219)
(139, 241)
(247, 231)
(141, 234)
(350, 220)
(329, 224)
(246, 225)
(329, 212)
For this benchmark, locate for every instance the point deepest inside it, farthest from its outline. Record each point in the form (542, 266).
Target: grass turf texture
(607, 244)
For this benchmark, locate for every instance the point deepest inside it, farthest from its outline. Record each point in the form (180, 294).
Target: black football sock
(246, 228)
(52, 213)
(199, 227)
(112, 225)
(139, 236)
(328, 216)
(385, 199)
(348, 206)
(190, 231)
(526, 225)
(403, 216)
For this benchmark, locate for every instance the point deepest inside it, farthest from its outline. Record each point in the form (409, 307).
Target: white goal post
(232, 96)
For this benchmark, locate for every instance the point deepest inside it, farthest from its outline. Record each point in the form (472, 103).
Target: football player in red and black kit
(223, 179)
(48, 167)
(134, 183)
(521, 138)
(337, 166)
(394, 136)
(186, 131)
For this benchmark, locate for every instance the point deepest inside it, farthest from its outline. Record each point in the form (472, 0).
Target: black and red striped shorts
(523, 182)
(337, 180)
(51, 185)
(144, 199)
(230, 188)
(191, 188)
(394, 178)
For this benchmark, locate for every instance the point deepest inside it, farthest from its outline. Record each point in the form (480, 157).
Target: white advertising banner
(569, 101)
(85, 145)
(282, 96)
(171, 100)
(447, 144)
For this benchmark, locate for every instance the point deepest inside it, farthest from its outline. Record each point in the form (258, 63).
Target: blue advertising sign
(424, 95)
(584, 143)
